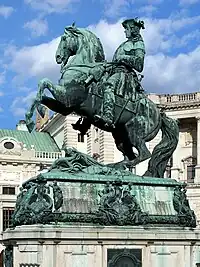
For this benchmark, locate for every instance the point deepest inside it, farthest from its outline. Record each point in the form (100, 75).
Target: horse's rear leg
(138, 142)
(143, 152)
(123, 143)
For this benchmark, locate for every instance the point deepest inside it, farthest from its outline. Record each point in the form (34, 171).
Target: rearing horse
(136, 121)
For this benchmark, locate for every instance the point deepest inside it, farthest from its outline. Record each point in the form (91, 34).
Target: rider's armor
(123, 80)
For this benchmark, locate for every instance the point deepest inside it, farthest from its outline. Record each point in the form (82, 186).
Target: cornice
(179, 106)
(54, 118)
(24, 161)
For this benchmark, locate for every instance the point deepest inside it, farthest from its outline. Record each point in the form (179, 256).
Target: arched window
(189, 165)
(124, 258)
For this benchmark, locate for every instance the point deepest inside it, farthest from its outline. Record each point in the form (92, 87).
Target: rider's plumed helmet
(132, 23)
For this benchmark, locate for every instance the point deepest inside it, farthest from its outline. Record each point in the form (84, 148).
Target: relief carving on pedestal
(124, 257)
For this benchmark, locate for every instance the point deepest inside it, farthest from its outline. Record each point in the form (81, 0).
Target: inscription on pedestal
(124, 258)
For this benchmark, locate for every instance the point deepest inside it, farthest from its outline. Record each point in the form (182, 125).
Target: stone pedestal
(92, 246)
(84, 214)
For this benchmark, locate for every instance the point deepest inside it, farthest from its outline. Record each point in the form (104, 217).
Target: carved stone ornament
(8, 256)
(35, 205)
(102, 195)
(189, 161)
(118, 206)
(186, 216)
(10, 146)
(125, 257)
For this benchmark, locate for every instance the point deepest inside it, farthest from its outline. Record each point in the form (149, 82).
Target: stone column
(197, 168)
(175, 173)
(175, 169)
(1, 217)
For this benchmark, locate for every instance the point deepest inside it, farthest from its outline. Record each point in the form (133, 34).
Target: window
(124, 257)
(190, 173)
(80, 138)
(8, 145)
(169, 99)
(7, 217)
(8, 190)
(29, 265)
(1, 258)
(168, 168)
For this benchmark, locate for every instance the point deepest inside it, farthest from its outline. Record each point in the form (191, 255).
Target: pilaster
(197, 168)
(175, 173)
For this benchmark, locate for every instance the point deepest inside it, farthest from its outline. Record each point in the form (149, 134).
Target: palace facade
(24, 155)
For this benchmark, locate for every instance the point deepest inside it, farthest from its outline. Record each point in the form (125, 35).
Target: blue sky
(30, 31)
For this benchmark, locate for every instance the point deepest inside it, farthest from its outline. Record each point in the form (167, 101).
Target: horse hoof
(41, 111)
(30, 126)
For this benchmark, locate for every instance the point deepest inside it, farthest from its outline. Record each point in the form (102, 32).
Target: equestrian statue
(109, 95)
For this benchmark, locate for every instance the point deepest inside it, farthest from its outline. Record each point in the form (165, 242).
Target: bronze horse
(137, 120)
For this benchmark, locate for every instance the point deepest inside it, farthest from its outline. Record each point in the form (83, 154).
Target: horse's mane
(88, 38)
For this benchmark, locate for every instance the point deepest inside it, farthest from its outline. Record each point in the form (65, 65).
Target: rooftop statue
(109, 95)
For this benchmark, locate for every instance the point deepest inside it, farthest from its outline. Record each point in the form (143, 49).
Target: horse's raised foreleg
(56, 105)
(46, 84)
(42, 85)
(29, 114)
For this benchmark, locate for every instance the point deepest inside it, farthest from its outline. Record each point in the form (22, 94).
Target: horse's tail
(164, 149)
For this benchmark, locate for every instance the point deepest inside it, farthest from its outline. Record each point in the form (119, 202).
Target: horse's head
(80, 42)
(68, 45)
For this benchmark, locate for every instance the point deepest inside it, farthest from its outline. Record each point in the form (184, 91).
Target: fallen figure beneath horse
(109, 95)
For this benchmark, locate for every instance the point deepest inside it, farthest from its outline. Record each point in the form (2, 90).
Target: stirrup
(103, 120)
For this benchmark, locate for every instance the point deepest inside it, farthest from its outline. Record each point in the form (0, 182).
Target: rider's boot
(108, 109)
(82, 125)
(106, 118)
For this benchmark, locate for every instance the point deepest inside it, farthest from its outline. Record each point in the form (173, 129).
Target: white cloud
(172, 74)
(38, 27)
(114, 8)
(163, 73)
(51, 6)
(153, 2)
(35, 61)
(188, 2)
(24, 89)
(158, 36)
(20, 104)
(148, 10)
(2, 77)
(1, 94)
(111, 35)
(6, 11)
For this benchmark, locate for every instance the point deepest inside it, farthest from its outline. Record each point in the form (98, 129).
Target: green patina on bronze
(109, 95)
(107, 196)
(8, 256)
(77, 166)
